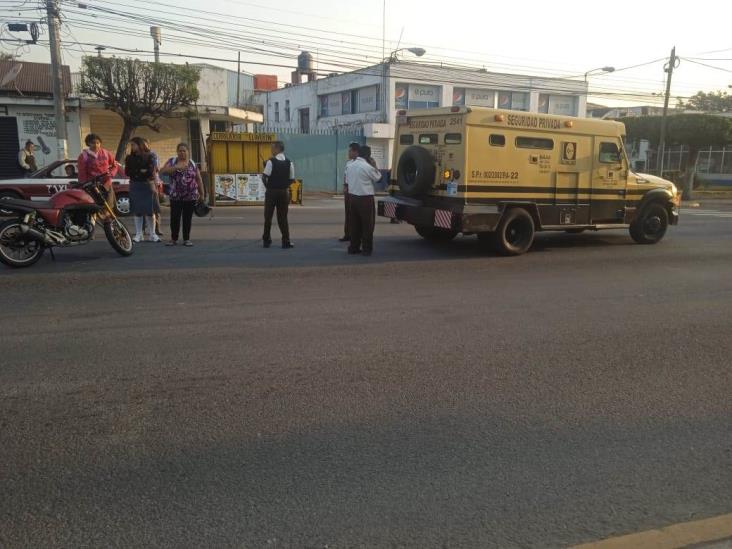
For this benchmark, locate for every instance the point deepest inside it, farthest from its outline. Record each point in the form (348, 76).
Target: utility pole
(52, 11)
(238, 76)
(669, 68)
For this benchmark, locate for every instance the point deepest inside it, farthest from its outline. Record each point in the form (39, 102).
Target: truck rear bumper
(470, 219)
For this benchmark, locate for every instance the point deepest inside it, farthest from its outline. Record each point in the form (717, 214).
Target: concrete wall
(36, 122)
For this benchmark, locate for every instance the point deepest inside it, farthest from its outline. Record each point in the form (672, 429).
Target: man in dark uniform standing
(279, 173)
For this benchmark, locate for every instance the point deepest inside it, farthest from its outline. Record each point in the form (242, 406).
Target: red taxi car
(54, 178)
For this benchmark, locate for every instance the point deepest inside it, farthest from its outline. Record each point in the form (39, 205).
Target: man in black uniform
(279, 173)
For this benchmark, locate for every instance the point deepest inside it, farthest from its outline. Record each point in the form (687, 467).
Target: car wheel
(7, 194)
(123, 205)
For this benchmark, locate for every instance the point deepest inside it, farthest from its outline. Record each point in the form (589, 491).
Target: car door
(608, 181)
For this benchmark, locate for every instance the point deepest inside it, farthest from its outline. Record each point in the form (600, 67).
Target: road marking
(708, 213)
(676, 536)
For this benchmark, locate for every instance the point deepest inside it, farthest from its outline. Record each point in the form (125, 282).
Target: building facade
(27, 114)
(370, 98)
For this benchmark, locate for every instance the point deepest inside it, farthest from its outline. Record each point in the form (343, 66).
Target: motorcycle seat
(34, 204)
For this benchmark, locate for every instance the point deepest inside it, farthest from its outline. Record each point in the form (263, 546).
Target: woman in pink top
(95, 161)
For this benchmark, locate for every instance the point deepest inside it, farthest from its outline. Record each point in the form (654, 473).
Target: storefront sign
(367, 99)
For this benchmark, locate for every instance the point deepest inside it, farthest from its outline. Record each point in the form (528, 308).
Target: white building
(358, 99)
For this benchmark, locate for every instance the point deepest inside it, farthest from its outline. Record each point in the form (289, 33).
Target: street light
(601, 70)
(419, 52)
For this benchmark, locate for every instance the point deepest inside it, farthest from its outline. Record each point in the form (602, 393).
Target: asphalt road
(230, 396)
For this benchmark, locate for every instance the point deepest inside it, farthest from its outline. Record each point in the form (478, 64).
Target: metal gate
(319, 157)
(9, 148)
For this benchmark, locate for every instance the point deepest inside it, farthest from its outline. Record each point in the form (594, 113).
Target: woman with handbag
(186, 189)
(140, 168)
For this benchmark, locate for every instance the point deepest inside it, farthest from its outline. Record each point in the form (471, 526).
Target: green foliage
(712, 102)
(692, 130)
(141, 93)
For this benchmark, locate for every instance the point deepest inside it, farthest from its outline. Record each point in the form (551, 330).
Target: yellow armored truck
(504, 175)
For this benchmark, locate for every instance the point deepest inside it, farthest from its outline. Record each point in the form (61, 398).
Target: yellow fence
(236, 162)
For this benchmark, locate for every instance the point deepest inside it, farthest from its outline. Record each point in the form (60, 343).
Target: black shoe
(287, 245)
(344, 239)
(266, 243)
(366, 254)
(353, 252)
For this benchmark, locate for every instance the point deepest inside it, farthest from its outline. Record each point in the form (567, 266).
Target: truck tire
(415, 171)
(515, 233)
(650, 227)
(435, 234)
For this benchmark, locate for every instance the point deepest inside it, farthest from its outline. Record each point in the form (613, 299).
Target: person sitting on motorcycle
(95, 161)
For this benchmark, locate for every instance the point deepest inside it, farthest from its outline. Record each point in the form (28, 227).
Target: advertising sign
(401, 96)
(249, 187)
(335, 105)
(346, 103)
(562, 104)
(480, 98)
(429, 94)
(40, 128)
(225, 188)
(458, 97)
(367, 99)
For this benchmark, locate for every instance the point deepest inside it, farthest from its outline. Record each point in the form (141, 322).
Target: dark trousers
(278, 199)
(347, 222)
(178, 209)
(362, 218)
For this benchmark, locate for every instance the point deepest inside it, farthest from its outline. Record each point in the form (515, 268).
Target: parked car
(53, 178)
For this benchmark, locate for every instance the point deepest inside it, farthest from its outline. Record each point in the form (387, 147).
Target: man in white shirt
(279, 173)
(352, 155)
(361, 175)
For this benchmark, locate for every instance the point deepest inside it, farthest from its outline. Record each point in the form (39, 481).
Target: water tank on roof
(305, 63)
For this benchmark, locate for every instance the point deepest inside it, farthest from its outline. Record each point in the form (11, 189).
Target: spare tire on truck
(415, 171)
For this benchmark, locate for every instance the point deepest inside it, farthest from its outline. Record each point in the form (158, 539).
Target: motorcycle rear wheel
(119, 237)
(16, 249)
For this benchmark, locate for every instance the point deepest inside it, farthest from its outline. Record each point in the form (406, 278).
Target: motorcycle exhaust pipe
(35, 234)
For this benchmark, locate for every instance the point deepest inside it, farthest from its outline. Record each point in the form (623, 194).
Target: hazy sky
(560, 38)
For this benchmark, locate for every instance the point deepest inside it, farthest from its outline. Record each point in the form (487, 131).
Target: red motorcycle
(67, 219)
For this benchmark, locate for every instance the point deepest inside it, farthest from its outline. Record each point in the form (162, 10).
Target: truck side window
(497, 140)
(406, 139)
(453, 138)
(534, 143)
(609, 153)
(428, 139)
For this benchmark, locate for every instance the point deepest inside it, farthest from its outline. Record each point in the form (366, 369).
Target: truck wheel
(515, 232)
(415, 171)
(435, 234)
(651, 226)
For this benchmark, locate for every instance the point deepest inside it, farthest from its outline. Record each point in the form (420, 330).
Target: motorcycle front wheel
(16, 249)
(118, 236)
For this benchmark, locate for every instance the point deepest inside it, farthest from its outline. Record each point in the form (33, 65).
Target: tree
(711, 102)
(693, 130)
(140, 93)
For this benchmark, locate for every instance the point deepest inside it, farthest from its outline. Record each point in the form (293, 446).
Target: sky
(564, 38)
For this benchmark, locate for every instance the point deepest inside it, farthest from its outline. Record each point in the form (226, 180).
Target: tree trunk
(690, 172)
(127, 130)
